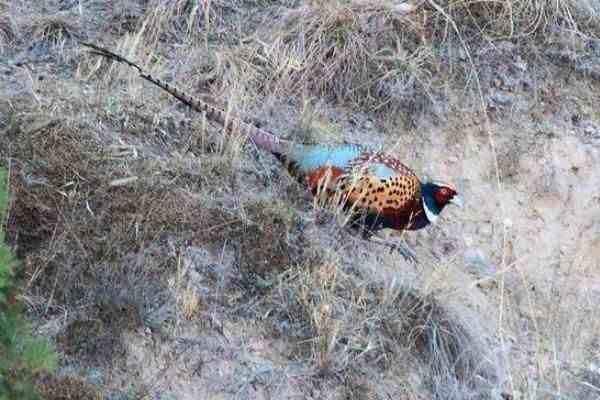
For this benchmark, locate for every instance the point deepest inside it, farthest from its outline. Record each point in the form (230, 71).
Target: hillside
(167, 260)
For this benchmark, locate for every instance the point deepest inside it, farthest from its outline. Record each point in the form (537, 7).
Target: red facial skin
(444, 195)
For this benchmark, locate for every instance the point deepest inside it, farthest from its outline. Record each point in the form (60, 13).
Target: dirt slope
(166, 260)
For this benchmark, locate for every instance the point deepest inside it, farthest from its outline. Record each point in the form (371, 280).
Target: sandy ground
(165, 261)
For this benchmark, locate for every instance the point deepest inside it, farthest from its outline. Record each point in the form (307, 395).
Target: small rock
(468, 240)
(505, 46)
(404, 9)
(594, 46)
(516, 395)
(527, 84)
(485, 230)
(591, 130)
(521, 66)
(476, 259)
(590, 68)
(502, 99)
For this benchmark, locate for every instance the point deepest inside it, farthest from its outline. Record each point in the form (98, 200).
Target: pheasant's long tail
(261, 138)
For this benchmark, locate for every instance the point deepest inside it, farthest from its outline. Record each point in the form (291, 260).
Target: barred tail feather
(260, 137)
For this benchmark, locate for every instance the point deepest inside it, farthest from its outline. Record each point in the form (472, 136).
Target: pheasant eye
(443, 195)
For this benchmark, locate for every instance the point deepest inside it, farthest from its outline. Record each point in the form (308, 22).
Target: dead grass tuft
(7, 32)
(118, 16)
(345, 325)
(265, 242)
(67, 203)
(101, 328)
(51, 29)
(363, 54)
(379, 60)
(54, 165)
(487, 21)
(189, 303)
(64, 206)
(54, 387)
(264, 236)
(172, 20)
(190, 21)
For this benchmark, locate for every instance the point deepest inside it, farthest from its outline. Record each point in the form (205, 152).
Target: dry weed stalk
(53, 29)
(7, 32)
(79, 217)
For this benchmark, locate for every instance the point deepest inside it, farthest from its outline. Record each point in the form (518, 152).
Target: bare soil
(165, 259)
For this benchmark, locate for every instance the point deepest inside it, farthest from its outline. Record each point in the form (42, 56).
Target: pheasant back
(369, 183)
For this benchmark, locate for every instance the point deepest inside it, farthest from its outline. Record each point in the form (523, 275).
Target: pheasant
(375, 189)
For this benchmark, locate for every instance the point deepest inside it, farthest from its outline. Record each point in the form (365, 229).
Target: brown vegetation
(156, 249)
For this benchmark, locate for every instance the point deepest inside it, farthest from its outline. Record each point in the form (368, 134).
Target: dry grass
(507, 19)
(54, 29)
(174, 19)
(86, 338)
(112, 186)
(194, 22)
(7, 33)
(348, 325)
(118, 17)
(66, 388)
(355, 51)
(384, 61)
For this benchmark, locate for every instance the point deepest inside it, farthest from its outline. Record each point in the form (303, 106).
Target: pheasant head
(437, 195)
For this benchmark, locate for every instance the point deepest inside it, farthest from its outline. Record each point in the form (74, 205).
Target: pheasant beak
(457, 200)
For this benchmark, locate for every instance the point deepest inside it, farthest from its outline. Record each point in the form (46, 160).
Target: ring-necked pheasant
(376, 189)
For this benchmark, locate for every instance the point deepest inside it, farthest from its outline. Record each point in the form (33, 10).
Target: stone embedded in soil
(502, 99)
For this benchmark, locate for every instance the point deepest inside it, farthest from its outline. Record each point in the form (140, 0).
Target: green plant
(21, 354)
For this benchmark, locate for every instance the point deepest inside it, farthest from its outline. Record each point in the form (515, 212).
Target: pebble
(521, 66)
(502, 99)
(527, 84)
(476, 259)
(468, 240)
(485, 230)
(404, 9)
(594, 46)
(591, 130)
